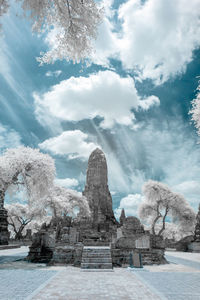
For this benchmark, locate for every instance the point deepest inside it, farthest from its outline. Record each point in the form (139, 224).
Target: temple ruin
(98, 241)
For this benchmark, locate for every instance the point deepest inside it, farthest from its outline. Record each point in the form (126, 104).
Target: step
(99, 255)
(97, 270)
(96, 247)
(96, 265)
(97, 260)
(95, 243)
(96, 251)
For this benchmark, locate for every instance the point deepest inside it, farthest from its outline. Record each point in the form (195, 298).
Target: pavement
(10, 255)
(178, 280)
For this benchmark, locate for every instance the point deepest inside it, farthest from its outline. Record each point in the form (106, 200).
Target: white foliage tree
(20, 216)
(161, 202)
(62, 201)
(29, 168)
(74, 24)
(175, 231)
(195, 111)
(3, 7)
(36, 223)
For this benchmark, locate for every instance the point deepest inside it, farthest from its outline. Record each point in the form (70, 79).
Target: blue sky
(132, 100)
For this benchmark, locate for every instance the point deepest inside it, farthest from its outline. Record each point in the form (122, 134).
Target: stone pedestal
(4, 234)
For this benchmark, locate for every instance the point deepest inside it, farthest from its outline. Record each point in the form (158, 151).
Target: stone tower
(96, 188)
(122, 217)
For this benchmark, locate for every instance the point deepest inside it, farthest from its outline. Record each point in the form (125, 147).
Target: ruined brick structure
(64, 239)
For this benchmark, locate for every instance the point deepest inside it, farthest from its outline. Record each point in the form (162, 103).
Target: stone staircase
(96, 257)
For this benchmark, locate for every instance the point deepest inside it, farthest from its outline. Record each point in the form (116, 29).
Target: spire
(122, 217)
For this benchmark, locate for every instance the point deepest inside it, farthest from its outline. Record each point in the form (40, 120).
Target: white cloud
(104, 94)
(67, 182)
(190, 189)
(106, 44)
(113, 193)
(73, 144)
(159, 36)
(53, 73)
(9, 138)
(130, 205)
(162, 151)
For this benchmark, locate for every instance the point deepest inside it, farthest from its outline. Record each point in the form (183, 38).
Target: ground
(177, 280)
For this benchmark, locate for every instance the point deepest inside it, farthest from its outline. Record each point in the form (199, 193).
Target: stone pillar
(197, 227)
(4, 234)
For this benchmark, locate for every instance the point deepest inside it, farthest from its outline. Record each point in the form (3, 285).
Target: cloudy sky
(131, 99)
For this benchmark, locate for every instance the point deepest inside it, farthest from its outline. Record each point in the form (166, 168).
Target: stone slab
(143, 242)
(137, 260)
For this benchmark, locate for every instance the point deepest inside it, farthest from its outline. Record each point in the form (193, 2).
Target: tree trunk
(156, 219)
(154, 223)
(164, 217)
(18, 235)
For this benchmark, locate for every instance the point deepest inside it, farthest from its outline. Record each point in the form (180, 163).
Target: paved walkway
(174, 285)
(10, 255)
(73, 284)
(178, 280)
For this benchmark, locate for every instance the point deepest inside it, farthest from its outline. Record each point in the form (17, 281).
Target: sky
(131, 98)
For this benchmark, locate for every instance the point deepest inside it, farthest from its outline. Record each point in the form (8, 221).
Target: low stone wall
(121, 257)
(67, 254)
(151, 248)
